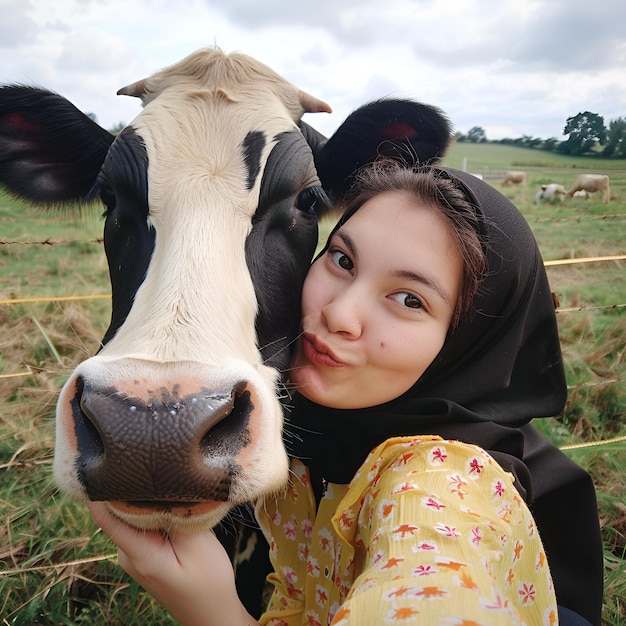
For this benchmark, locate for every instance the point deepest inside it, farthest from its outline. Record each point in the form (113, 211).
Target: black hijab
(499, 369)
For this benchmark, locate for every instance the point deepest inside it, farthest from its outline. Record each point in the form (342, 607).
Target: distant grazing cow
(550, 193)
(514, 178)
(212, 195)
(592, 183)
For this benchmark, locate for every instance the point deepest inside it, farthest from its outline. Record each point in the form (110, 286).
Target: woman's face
(377, 305)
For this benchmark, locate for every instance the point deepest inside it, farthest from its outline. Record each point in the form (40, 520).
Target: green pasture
(57, 568)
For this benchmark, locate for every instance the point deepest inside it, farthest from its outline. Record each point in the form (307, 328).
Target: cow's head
(212, 197)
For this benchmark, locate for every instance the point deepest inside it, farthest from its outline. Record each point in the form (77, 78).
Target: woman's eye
(408, 300)
(340, 259)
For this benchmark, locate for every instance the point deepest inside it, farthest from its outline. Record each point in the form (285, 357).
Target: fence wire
(50, 242)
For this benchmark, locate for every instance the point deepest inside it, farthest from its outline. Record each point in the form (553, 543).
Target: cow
(212, 196)
(551, 192)
(592, 183)
(514, 178)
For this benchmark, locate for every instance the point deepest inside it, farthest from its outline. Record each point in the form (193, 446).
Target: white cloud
(514, 67)
(15, 26)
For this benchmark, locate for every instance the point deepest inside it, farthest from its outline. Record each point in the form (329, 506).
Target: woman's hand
(189, 574)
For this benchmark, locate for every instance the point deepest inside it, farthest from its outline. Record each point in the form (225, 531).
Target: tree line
(587, 135)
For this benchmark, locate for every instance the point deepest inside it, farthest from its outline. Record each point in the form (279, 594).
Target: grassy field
(56, 568)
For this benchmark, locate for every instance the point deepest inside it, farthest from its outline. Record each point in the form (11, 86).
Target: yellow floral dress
(428, 532)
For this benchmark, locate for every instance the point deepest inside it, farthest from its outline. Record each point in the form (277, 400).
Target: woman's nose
(344, 314)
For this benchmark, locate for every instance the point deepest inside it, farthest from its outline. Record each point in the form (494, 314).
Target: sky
(512, 67)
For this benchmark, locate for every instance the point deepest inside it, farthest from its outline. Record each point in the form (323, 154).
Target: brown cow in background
(592, 183)
(514, 178)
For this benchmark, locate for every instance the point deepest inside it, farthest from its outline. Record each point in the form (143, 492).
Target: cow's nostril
(231, 433)
(87, 435)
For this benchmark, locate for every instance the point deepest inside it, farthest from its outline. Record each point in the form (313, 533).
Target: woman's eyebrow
(347, 242)
(424, 279)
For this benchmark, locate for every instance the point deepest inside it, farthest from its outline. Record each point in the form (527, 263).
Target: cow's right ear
(50, 152)
(313, 137)
(405, 130)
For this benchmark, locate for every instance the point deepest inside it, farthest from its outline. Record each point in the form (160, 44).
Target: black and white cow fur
(212, 196)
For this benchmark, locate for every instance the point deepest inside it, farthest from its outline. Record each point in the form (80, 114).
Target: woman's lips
(317, 352)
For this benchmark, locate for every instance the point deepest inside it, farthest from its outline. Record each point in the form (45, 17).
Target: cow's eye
(108, 197)
(312, 200)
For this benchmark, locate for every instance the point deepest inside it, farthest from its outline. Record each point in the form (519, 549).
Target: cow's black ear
(50, 152)
(409, 131)
(313, 137)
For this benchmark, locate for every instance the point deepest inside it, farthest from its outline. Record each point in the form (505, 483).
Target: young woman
(429, 342)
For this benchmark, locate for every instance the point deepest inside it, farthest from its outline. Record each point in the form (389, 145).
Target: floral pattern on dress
(426, 526)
